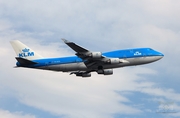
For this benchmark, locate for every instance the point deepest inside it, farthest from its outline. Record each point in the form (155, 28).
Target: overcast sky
(98, 25)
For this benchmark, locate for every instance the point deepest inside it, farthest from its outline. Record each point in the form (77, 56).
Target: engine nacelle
(105, 71)
(114, 61)
(83, 74)
(95, 55)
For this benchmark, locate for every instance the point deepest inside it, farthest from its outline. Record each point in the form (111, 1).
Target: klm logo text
(26, 53)
(137, 53)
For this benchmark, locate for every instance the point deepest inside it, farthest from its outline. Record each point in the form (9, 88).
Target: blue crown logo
(25, 50)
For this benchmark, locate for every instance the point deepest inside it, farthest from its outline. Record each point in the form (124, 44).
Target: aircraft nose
(160, 55)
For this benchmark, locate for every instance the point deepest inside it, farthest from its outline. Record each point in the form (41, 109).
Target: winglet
(65, 41)
(74, 46)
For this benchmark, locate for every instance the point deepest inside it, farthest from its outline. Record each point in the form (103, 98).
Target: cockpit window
(149, 49)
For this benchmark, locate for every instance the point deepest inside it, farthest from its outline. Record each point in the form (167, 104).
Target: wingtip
(65, 41)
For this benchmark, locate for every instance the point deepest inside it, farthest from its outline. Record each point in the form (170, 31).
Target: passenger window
(131, 51)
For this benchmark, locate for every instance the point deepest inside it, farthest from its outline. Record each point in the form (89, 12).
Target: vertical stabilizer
(24, 51)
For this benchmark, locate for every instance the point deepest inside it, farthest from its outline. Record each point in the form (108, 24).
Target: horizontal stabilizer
(25, 62)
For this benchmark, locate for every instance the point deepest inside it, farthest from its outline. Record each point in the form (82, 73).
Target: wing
(94, 61)
(75, 47)
(80, 51)
(91, 59)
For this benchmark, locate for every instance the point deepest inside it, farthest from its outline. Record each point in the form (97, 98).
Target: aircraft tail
(24, 51)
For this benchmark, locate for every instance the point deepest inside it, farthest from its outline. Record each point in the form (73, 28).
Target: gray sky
(101, 25)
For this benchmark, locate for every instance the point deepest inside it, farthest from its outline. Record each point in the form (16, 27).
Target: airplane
(84, 61)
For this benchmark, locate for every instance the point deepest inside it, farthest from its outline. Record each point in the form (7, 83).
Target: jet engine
(105, 71)
(114, 61)
(95, 55)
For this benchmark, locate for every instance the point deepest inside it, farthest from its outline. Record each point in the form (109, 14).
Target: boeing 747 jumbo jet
(85, 60)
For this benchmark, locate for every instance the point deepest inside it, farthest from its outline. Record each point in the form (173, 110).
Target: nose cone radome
(160, 55)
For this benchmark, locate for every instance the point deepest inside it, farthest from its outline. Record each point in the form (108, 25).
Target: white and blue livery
(85, 60)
